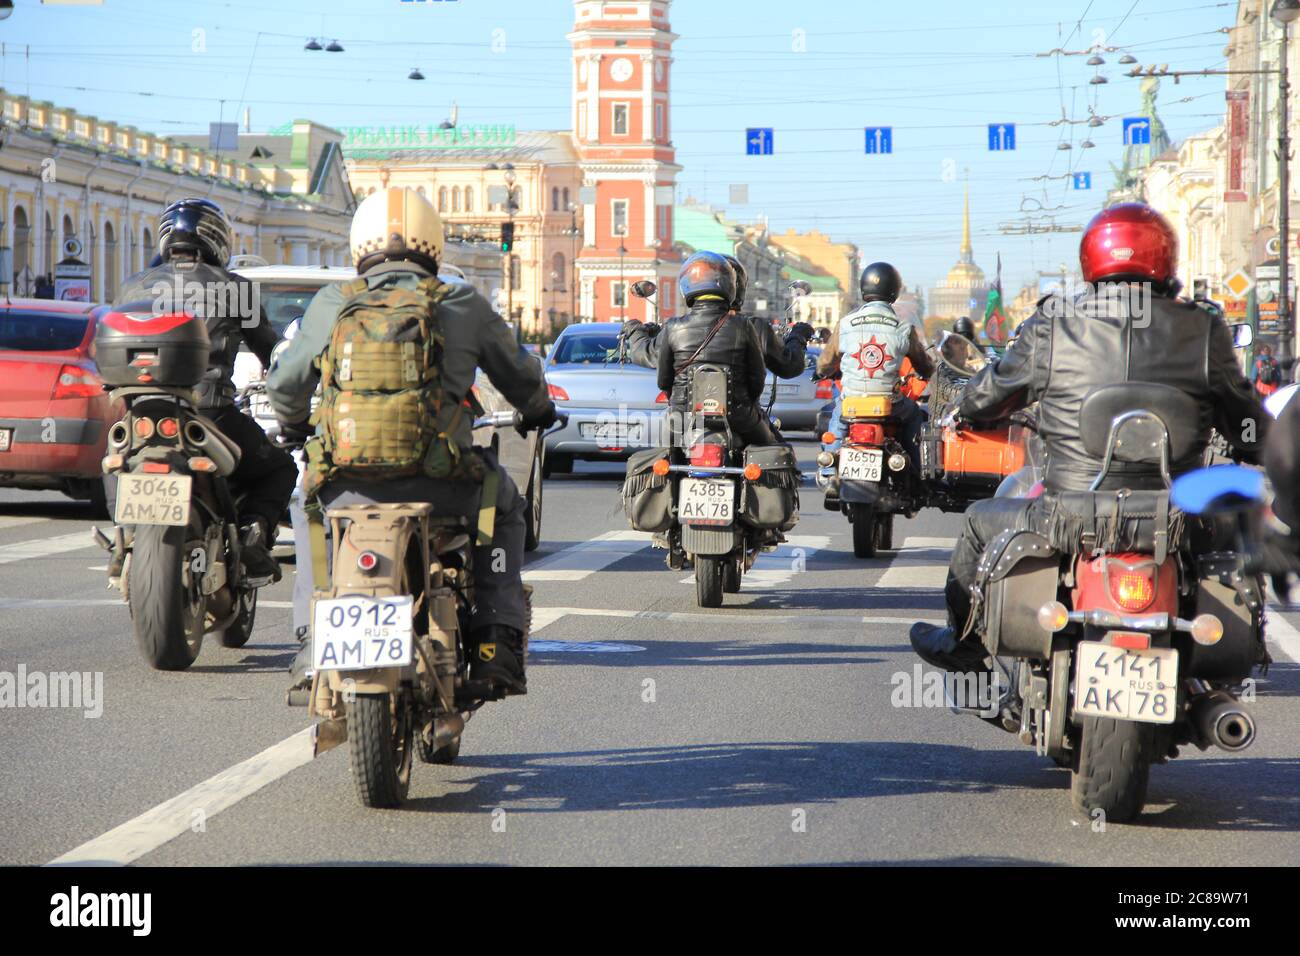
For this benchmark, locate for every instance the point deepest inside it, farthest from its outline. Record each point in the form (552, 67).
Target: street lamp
(622, 283)
(1284, 12)
(510, 256)
(573, 263)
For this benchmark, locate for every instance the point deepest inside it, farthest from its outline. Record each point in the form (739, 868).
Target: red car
(54, 412)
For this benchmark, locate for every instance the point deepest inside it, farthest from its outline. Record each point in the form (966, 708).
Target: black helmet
(707, 273)
(964, 326)
(742, 282)
(880, 283)
(195, 225)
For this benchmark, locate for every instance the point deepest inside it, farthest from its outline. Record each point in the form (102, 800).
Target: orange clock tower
(622, 58)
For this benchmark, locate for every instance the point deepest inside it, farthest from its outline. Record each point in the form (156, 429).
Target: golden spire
(967, 253)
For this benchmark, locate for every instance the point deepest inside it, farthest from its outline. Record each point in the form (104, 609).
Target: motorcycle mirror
(962, 355)
(1218, 490)
(1243, 336)
(644, 289)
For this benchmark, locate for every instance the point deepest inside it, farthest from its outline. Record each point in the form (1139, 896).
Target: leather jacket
(735, 346)
(784, 358)
(229, 305)
(1070, 347)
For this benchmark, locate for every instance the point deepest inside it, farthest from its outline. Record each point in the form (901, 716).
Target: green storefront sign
(379, 140)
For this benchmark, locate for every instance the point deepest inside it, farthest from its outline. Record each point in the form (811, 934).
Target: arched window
(455, 199)
(22, 247)
(442, 199)
(110, 262)
(559, 276)
(469, 198)
(555, 199)
(566, 198)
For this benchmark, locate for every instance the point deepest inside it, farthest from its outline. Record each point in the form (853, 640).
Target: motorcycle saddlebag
(140, 348)
(647, 497)
(1237, 600)
(773, 500)
(1115, 521)
(1018, 574)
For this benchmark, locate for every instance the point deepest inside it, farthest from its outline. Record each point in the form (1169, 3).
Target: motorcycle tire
(864, 531)
(167, 622)
(241, 629)
(708, 581)
(1114, 768)
(380, 746)
(885, 533)
(731, 575)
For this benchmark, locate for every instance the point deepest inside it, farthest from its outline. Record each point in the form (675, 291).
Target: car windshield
(42, 331)
(584, 349)
(286, 301)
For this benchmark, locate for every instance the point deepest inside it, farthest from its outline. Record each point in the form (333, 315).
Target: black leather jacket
(1068, 348)
(784, 358)
(735, 346)
(229, 305)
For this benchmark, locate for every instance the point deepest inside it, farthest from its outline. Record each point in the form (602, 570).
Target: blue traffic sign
(1082, 180)
(1002, 136)
(880, 139)
(1137, 131)
(758, 141)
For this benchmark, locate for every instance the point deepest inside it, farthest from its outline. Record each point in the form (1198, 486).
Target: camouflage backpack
(382, 391)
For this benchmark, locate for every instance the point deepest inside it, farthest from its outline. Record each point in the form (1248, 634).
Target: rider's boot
(255, 551)
(497, 655)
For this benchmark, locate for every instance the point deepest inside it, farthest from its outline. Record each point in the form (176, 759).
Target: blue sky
(816, 71)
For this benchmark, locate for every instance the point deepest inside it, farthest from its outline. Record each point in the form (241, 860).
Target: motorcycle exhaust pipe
(446, 729)
(211, 446)
(1222, 720)
(118, 436)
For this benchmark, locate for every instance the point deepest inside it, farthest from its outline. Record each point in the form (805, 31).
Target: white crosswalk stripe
(779, 566)
(581, 561)
(45, 547)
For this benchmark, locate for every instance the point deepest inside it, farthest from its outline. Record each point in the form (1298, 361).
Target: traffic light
(507, 236)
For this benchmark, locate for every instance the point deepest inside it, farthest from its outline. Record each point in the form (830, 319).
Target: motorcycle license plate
(361, 633)
(1126, 684)
(6, 438)
(153, 499)
(857, 464)
(706, 501)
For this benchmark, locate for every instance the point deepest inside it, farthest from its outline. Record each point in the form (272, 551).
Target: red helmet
(1129, 241)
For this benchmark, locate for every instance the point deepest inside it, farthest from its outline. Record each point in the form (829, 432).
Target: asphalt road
(653, 733)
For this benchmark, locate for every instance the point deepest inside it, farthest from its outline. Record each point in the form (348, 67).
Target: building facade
(698, 228)
(821, 256)
(622, 63)
(65, 175)
(965, 290)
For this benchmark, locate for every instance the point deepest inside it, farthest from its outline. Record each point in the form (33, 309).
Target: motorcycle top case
(140, 348)
(647, 497)
(773, 500)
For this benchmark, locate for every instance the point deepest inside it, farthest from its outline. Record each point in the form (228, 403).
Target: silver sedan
(799, 401)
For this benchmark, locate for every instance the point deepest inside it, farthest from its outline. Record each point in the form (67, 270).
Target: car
(800, 402)
(614, 408)
(286, 291)
(54, 412)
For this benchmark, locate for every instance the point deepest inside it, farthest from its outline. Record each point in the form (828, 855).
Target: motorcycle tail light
(156, 468)
(1134, 589)
(826, 390)
(829, 438)
(866, 434)
(556, 393)
(706, 456)
(367, 561)
(143, 427)
(169, 428)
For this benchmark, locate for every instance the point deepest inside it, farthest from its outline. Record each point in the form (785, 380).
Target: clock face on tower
(621, 70)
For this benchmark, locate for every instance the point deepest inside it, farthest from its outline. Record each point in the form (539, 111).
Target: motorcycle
(175, 550)
(391, 671)
(1127, 644)
(718, 505)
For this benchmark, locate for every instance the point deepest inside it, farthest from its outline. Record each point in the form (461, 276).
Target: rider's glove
(652, 328)
(296, 433)
(542, 421)
(804, 331)
(629, 327)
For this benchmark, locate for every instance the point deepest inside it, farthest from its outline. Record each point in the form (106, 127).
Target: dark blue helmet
(707, 273)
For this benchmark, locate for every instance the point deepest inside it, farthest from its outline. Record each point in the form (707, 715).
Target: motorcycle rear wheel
(885, 532)
(708, 581)
(864, 531)
(1114, 768)
(731, 575)
(167, 615)
(241, 629)
(380, 745)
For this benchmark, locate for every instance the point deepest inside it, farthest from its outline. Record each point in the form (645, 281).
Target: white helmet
(396, 223)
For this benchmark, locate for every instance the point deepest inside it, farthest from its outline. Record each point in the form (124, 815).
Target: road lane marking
(905, 575)
(14, 521)
(45, 547)
(553, 614)
(779, 566)
(921, 542)
(1282, 634)
(168, 820)
(581, 561)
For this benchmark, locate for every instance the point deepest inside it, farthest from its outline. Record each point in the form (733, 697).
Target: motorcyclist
(194, 239)
(784, 358)
(866, 351)
(1113, 333)
(397, 238)
(712, 333)
(965, 328)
